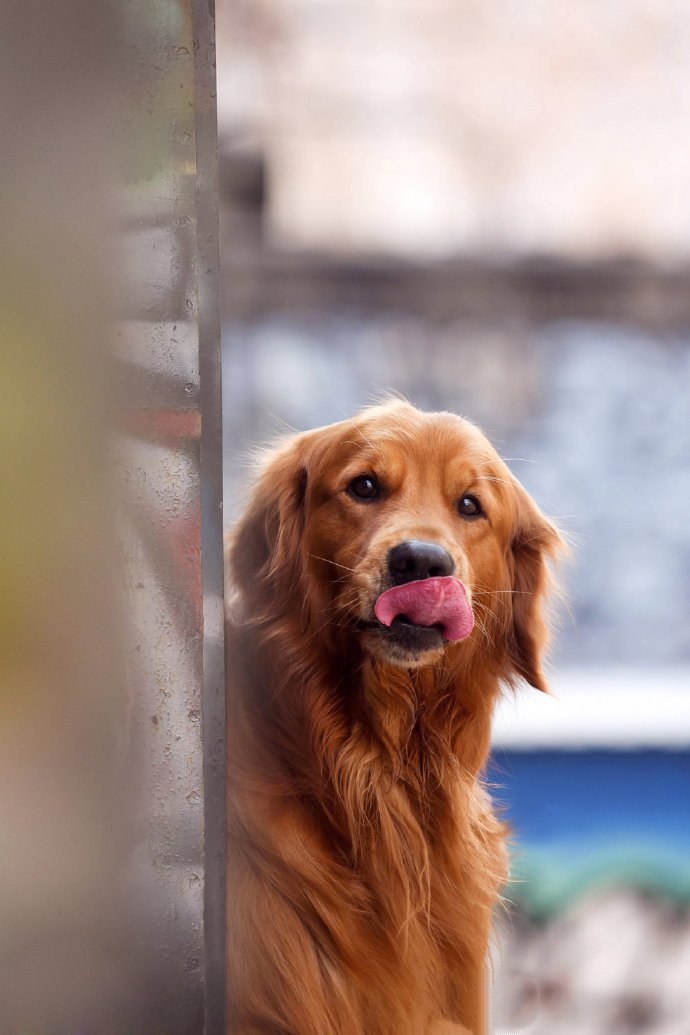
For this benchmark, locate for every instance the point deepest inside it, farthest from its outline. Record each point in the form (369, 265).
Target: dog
(387, 578)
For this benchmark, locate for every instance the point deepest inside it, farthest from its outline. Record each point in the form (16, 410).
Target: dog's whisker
(486, 611)
(283, 424)
(373, 458)
(363, 436)
(336, 563)
(499, 592)
(533, 539)
(339, 581)
(479, 620)
(370, 445)
(482, 612)
(347, 600)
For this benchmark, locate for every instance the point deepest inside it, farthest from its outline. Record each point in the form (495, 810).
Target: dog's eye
(365, 487)
(469, 507)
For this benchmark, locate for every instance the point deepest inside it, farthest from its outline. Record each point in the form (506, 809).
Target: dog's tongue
(436, 601)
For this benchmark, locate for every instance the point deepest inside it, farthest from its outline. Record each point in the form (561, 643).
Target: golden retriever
(388, 576)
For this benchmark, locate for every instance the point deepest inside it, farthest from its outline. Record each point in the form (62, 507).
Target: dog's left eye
(469, 507)
(365, 487)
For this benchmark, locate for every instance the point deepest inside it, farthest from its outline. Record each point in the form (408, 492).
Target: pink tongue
(436, 601)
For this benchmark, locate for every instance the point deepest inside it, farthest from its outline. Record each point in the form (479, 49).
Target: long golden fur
(364, 858)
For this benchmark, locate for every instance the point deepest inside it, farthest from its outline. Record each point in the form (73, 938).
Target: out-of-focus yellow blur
(62, 698)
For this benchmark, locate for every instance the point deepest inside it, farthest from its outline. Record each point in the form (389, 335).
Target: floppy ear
(264, 553)
(535, 542)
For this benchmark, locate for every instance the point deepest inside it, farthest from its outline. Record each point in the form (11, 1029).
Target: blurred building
(433, 127)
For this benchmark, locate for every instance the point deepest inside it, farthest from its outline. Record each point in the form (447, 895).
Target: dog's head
(404, 534)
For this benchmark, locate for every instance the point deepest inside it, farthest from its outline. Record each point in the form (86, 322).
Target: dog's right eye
(364, 487)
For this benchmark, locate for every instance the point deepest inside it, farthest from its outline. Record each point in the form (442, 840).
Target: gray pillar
(169, 365)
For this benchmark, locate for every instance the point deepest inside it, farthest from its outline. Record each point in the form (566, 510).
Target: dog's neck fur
(442, 709)
(389, 759)
(414, 727)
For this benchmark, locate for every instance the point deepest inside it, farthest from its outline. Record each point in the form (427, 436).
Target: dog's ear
(535, 543)
(264, 555)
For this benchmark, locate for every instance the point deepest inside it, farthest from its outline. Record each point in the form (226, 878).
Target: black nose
(414, 560)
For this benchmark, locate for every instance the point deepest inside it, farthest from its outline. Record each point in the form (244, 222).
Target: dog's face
(407, 532)
(397, 505)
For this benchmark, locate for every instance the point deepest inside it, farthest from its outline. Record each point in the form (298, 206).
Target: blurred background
(484, 207)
